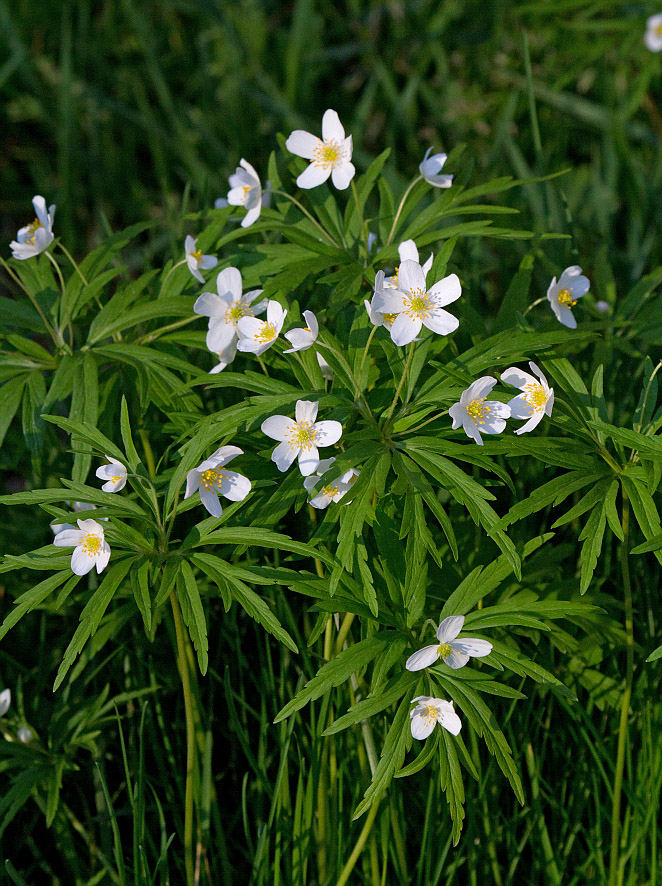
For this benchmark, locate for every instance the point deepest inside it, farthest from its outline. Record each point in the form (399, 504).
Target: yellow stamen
(32, 228)
(420, 304)
(327, 154)
(115, 479)
(430, 714)
(330, 490)
(535, 396)
(303, 435)
(565, 298)
(238, 311)
(211, 479)
(197, 255)
(389, 319)
(91, 545)
(478, 410)
(444, 650)
(267, 333)
(658, 31)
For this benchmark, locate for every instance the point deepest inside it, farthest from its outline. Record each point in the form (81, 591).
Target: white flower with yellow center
(653, 35)
(536, 399)
(302, 339)
(211, 479)
(196, 260)
(38, 235)
(407, 251)
(257, 336)
(329, 156)
(301, 437)
(246, 190)
(455, 653)
(431, 166)
(333, 491)
(416, 305)
(114, 473)
(5, 701)
(478, 415)
(430, 711)
(563, 295)
(91, 547)
(225, 310)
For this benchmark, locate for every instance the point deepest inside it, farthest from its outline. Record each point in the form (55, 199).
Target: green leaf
(84, 409)
(423, 758)
(133, 458)
(450, 777)
(140, 583)
(87, 433)
(10, 399)
(655, 655)
(32, 599)
(193, 613)
(516, 299)
(376, 702)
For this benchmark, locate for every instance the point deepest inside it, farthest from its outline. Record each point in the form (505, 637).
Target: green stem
(73, 262)
(151, 336)
(625, 702)
(303, 209)
(426, 422)
(344, 630)
(402, 381)
(533, 304)
(365, 351)
(165, 279)
(190, 741)
(360, 843)
(57, 338)
(364, 230)
(63, 303)
(358, 393)
(400, 207)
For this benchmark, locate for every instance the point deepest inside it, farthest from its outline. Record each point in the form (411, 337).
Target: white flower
(225, 357)
(563, 295)
(430, 711)
(455, 653)
(333, 491)
(195, 259)
(430, 167)
(114, 473)
(78, 506)
(246, 190)
(211, 482)
(329, 156)
(408, 252)
(257, 336)
(478, 415)
(536, 399)
(225, 310)
(653, 35)
(91, 547)
(302, 339)
(416, 306)
(5, 701)
(37, 236)
(327, 372)
(300, 437)
(24, 734)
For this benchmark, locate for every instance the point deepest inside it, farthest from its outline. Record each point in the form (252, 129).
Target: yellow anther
(91, 544)
(267, 333)
(32, 229)
(534, 394)
(211, 479)
(197, 255)
(565, 298)
(238, 311)
(477, 410)
(444, 649)
(330, 490)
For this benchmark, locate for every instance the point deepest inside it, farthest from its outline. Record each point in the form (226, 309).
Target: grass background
(123, 111)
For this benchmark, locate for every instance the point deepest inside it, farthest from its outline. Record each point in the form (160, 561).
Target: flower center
(91, 545)
(32, 229)
(565, 298)
(197, 255)
(430, 714)
(330, 490)
(419, 303)
(303, 435)
(327, 154)
(267, 333)
(478, 410)
(211, 479)
(444, 649)
(115, 479)
(658, 31)
(389, 319)
(236, 312)
(534, 394)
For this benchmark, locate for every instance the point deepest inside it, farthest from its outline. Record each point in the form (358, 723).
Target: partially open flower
(225, 310)
(257, 336)
(246, 190)
(478, 415)
(430, 711)
(196, 260)
(114, 473)
(38, 235)
(211, 479)
(302, 339)
(333, 491)
(536, 399)
(300, 437)
(91, 547)
(562, 296)
(329, 156)
(431, 166)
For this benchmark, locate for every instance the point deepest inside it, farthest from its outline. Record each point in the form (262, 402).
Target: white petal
(451, 722)
(449, 628)
(520, 409)
(411, 276)
(234, 486)
(407, 251)
(332, 128)
(68, 538)
(492, 426)
(211, 502)
(228, 282)
(342, 175)
(207, 262)
(472, 646)
(421, 728)
(309, 459)
(237, 196)
(388, 301)
(81, 563)
(306, 410)
(103, 558)
(457, 412)
(283, 455)
(480, 388)
(447, 290)
(276, 314)
(251, 216)
(313, 176)
(210, 305)
(423, 658)
(517, 377)
(189, 244)
(250, 170)
(192, 483)
(327, 432)
(249, 328)
(456, 659)
(405, 329)
(441, 322)
(532, 423)
(311, 322)
(220, 336)
(321, 500)
(471, 430)
(300, 339)
(302, 143)
(223, 456)
(5, 701)
(278, 427)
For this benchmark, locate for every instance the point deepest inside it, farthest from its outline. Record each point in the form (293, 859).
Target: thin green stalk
(190, 741)
(165, 279)
(344, 630)
(303, 209)
(625, 701)
(426, 422)
(151, 336)
(364, 229)
(54, 334)
(533, 304)
(365, 351)
(402, 381)
(400, 207)
(63, 304)
(360, 843)
(73, 262)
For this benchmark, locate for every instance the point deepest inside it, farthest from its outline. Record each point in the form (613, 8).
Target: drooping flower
(455, 653)
(246, 190)
(431, 166)
(416, 306)
(257, 336)
(563, 295)
(327, 372)
(225, 357)
(407, 251)
(430, 711)
(196, 260)
(5, 701)
(329, 156)
(114, 473)
(225, 310)
(302, 339)
(78, 506)
(536, 399)
(653, 35)
(478, 415)
(210, 481)
(300, 437)
(333, 491)
(377, 318)
(37, 236)
(91, 547)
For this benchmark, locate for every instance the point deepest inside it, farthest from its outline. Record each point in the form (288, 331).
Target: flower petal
(451, 722)
(477, 389)
(447, 290)
(81, 563)
(472, 646)
(332, 128)
(411, 276)
(327, 432)
(388, 301)
(342, 175)
(518, 378)
(210, 501)
(405, 329)
(234, 486)
(68, 538)
(283, 455)
(422, 727)
(278, 427)
(306, 410)
(302, 143)
(423, 658)
(456, 659)
(407, 251)
(449, 628)
(309, 459)
(441, 322)
(210, 305)
(220, 335)
(313, 176)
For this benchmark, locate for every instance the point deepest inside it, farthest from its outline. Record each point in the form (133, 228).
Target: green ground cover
(126, 113)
